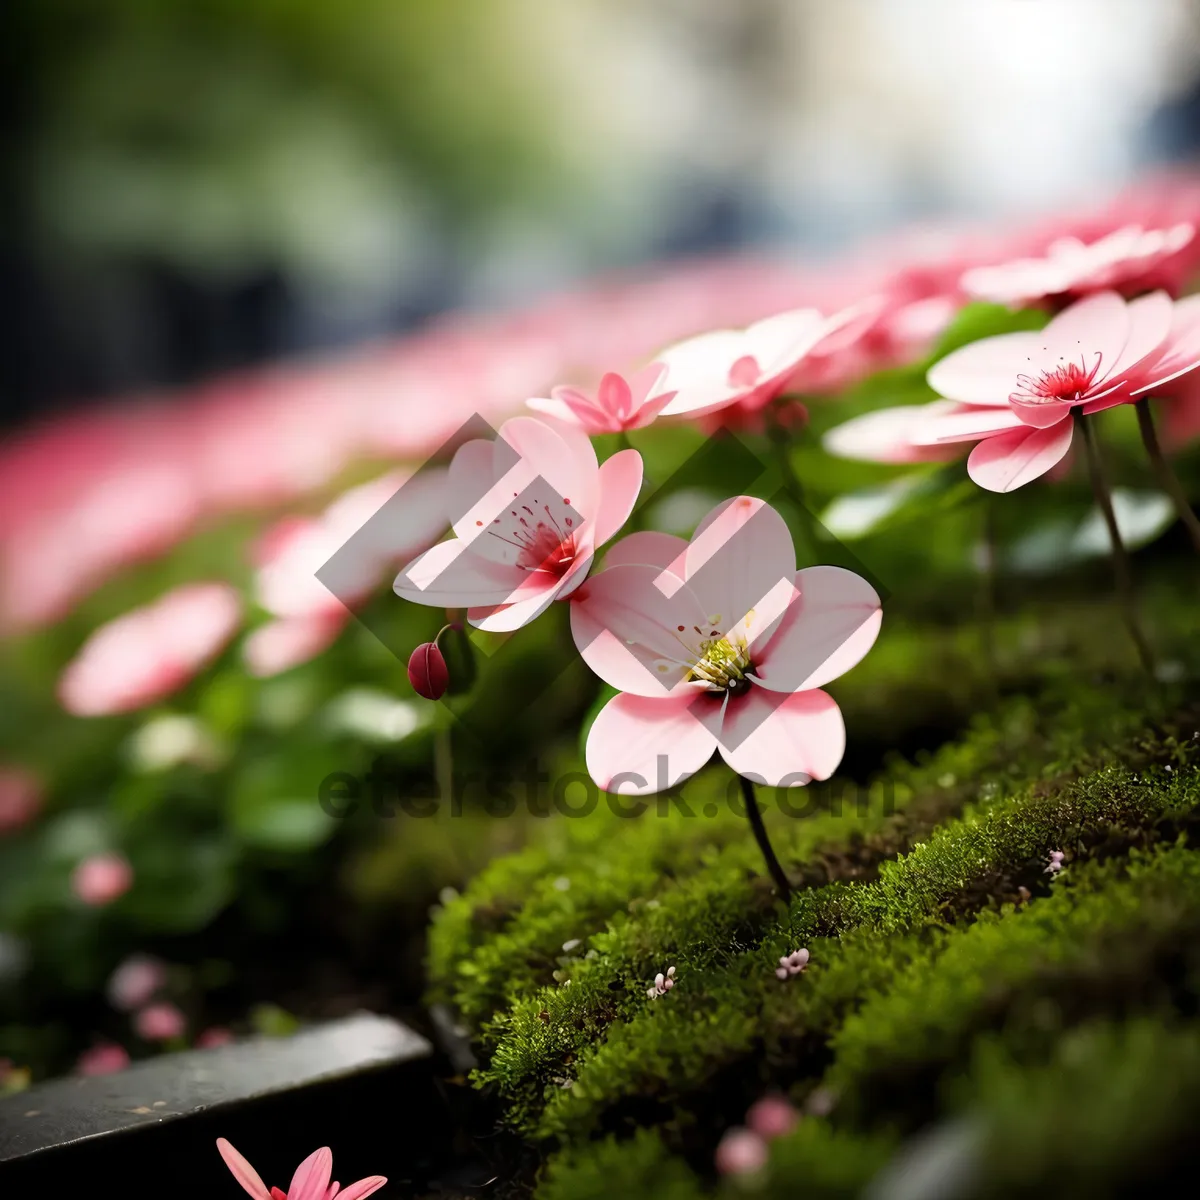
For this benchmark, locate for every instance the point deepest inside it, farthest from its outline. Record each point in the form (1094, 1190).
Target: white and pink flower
(1013, 394)
(719, 644)
(310, 1182)
(149, 653)
(618, 405)
(531, 510)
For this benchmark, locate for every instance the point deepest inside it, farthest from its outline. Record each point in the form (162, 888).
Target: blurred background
(192, 188)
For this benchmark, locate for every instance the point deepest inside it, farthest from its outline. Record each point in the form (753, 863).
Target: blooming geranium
(150, 652)
(532, 507)
(310, 1182)
(1012, 394)
(1130, 260)
(618, 405)
(719, 644)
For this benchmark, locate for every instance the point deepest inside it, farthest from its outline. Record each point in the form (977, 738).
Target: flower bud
(427, 671)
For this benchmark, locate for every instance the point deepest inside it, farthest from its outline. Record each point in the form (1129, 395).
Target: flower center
(1066, 382)
(543, 541)
(723, 665)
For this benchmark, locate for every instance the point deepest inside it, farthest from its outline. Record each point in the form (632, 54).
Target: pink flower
(618, 406)
(149, 653)
(104, 1058)
(772, 1117)
(20, 798)
(160, 1023)
(1012, 394)
(280, 645)
(532, 508)
(216, 1036)
(134, 983)
(1055, 864)
(792, 964)
(662, 984)
(719, 644)
(740, 1152)
(748, 367)
(101, 879)
(1130, 260)
(310, 1182)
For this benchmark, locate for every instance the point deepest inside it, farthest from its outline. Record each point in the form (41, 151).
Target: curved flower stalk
(719, 644)
(618, 406)
(310, 1182)
(531, 509)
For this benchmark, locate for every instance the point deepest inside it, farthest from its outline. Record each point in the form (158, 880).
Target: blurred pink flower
(662, 984)
(619, 404)
(530, 537)
(310, 1182)
(20, 798)
(159, 1023)
(134, 983)
(740, 1152)
(280, 645)
(719, 644)
(149, 653)
(101, 879)
(105, 1058)
(1129, 260)
(1013, 394)
(216, 1036)
(772, 1117)
(749, 367)
(792, 964)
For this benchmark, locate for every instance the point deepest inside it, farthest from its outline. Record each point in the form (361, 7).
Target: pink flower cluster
(743, 1150)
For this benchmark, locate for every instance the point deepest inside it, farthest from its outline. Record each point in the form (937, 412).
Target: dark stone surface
(364, 1086)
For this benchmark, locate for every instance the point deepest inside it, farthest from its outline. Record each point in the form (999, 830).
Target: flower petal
(1007, 462)
(698, 372)
(783, 740)
(738, 555)
(242, 1171)
(637, 746)
(886, 435)
(620, 483)
(363, 1188)
(635, 635)
(1149, 327)
(559, 453)
(966, 425)
(984, 372)
(452, 575)
(826, 631)
(312, 1176)
(649, 549)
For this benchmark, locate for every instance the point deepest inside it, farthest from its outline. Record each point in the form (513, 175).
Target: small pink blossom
(214, 1037)
(662, 984)
(101, 879)
(749, 367)
(1056, 862)
(135, 982)
(160, 1023)
(618, 405)
(740, 1152)
(534, 506)
(792, 964)
(149, 653)
(288, 642)
(20, 798)
(772, 1117)
(719, 644)
(105, 1058)
(1129, 260)
(1013, 394)
(310, 1182)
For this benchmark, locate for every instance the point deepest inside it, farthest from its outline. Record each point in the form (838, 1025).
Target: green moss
(924, 902)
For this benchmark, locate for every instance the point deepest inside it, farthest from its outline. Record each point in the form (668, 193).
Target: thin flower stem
(1120, 557)
(764, 842)
(1166, 476)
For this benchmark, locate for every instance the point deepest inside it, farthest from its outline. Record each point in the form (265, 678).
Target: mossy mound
(966, 1012)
